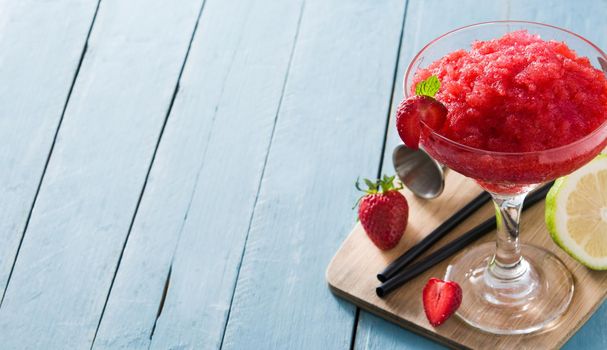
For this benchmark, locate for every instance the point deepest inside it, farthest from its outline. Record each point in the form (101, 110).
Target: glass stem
(507, 263)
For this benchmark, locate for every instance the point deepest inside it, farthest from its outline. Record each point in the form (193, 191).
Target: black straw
(434, 236)
(452, 247)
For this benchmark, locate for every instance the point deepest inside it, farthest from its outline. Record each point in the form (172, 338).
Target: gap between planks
(380, 167)
(265, 162)
(147, 175)
(50, 152)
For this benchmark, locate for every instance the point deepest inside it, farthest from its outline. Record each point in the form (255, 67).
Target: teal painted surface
(38, 59)
(376, 333)
(95, 175)
(196, 210)
(329, 130)
(281, 105)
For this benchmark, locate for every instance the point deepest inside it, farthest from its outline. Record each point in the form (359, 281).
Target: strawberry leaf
(381, 185)
(371, 185)
(428, 87)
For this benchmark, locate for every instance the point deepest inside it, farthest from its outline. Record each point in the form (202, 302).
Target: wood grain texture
(96, 173)
(330, 128)
(436, 17)
(352, 272)
(38, 60)
(195, 213)
(374, 332)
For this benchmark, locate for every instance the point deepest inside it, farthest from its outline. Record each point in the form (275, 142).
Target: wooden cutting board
(352, 274)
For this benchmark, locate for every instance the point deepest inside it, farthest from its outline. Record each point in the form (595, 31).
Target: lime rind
(556, 215)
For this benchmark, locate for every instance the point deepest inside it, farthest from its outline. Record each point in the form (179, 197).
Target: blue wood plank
(204, 181)
(95, 175)
(440, 16)
(330, 129)
(39, 56)
(376, 333)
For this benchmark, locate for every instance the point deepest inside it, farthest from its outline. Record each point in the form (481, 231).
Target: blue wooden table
(178, 174)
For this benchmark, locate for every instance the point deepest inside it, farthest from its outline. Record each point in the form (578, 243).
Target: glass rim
(498, 153)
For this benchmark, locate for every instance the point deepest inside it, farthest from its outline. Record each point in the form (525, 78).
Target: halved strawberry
(407, 123)
(441, 300)
(415, 109)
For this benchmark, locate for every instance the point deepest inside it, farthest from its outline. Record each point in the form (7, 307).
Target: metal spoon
(423, 175)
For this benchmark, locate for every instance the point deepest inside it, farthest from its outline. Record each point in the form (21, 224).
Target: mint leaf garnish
(428, 87)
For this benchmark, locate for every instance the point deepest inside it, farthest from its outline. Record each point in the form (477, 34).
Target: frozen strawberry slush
(518, 93)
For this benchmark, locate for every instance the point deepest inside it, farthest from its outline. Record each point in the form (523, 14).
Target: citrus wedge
(576, 213)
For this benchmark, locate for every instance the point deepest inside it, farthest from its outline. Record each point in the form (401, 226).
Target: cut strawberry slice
(411, 111)
(433, 113)
(407, 123)
(441, 300)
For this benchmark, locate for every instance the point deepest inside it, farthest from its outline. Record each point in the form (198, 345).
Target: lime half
(576, 213)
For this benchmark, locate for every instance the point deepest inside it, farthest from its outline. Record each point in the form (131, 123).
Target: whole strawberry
(383, 212)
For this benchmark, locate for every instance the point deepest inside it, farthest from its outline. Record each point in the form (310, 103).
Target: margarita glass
(509, 287)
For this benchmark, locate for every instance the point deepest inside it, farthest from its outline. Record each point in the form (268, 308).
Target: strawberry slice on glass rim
(420, 108)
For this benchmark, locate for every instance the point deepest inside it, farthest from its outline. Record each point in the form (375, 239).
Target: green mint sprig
(428, 87)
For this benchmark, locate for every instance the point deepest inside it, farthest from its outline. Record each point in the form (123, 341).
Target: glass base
(531, 302)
